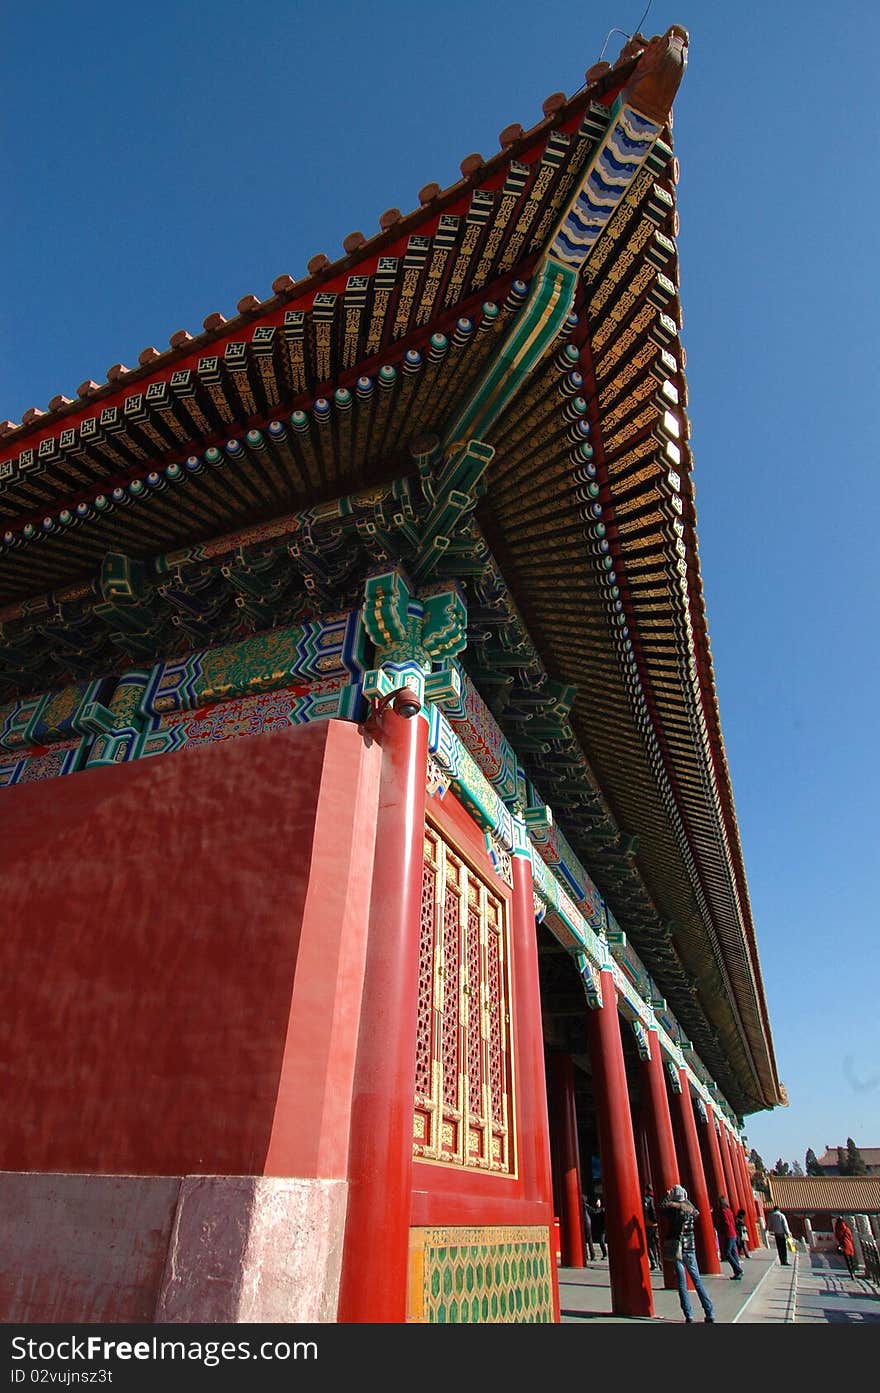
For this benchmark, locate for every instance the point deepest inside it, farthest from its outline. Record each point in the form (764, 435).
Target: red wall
(153, 916)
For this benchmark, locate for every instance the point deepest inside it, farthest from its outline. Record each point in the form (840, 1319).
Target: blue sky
(160, 163)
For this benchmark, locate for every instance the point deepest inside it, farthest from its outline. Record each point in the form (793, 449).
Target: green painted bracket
(535, 328)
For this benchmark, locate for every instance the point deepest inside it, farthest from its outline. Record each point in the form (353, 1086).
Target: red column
(535, 1147)
(732, 1189)
(642, 1154)
(661, 1143)
(733, 1146)
(704, 1231)
(571, 1224)
(748, 1198)
(535, 1139)
(624, 1221)
(373, 1286)
(712, 1157)
(742, 1197)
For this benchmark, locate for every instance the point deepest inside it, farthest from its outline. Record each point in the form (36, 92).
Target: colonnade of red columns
(624, 1221)
(381, 1156)
(708, 1162)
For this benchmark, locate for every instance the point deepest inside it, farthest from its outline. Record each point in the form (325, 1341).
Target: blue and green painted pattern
(478, 730)
(480, 1276)
(469, 782)
(50, 716)
(51, 762)
(333, 646)
(250, 715)
(562, 914)
(617, 161)
(551, 296)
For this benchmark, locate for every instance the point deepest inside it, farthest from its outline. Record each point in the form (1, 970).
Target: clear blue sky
(161, 162)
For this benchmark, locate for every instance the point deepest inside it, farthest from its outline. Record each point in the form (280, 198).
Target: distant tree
(797, 1168)
(781, 1168)
(854, 1162)
(812, 1163)
(759, 1179)
(841, 1161)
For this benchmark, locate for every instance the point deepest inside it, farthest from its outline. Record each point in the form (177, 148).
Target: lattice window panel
(463, 1104)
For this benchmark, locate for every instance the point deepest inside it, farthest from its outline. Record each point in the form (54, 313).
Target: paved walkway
(826, 1294)
(815, 1287)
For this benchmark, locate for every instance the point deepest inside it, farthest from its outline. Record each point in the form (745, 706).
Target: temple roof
(351, 380)
(869, 1154)
(834, 1194)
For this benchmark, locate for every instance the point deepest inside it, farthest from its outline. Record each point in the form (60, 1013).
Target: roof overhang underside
(586, 507)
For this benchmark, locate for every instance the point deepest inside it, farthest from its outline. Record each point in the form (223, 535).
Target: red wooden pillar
(535, 1139)
(535, 1146)
(373, 1286)
(742, 1193)
(748, 1198)
(571, 1224)
(731, 1187)
(704, 1230)
(751, 1203)
(631, 1293)
(643, 1156)
(661, 1143)
(711, 1156)
(733, 1147)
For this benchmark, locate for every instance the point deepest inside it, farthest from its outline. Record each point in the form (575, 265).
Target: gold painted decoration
(463, 1103)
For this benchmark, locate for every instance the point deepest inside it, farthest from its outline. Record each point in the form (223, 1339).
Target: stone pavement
(826, 1294)
(815, 1287)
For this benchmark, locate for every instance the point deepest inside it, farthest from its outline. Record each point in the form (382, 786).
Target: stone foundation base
(212, 1248)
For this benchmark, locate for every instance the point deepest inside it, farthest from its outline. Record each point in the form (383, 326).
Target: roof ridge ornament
(652, 88)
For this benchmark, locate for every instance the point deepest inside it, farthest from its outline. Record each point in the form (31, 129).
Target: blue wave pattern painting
(617, 161)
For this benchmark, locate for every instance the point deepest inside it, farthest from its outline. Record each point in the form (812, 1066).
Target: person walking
(725, 1224)
(652, 1228)
(845, 1245)
(778, 1226)
(742, 1234)
(678, 1247)
(588, 1229)
(597, 1214)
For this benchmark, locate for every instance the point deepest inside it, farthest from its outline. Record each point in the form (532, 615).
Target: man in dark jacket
(679, 1215)
(597, 1212)
(652, 1228)
(588, 1229)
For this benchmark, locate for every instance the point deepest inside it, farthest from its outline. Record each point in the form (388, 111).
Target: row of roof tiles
(391, 223)
(838, 1194)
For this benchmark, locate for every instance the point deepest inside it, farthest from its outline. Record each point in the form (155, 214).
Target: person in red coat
(726, 1227)
(843, 1234)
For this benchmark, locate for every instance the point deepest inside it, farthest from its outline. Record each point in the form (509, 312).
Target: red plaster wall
(152, 917)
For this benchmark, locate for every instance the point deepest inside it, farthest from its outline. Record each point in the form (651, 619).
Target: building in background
(833, 1160)
(370, 859)
(811, 1203)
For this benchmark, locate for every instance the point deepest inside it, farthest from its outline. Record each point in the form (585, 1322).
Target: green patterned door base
(480, 1275)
